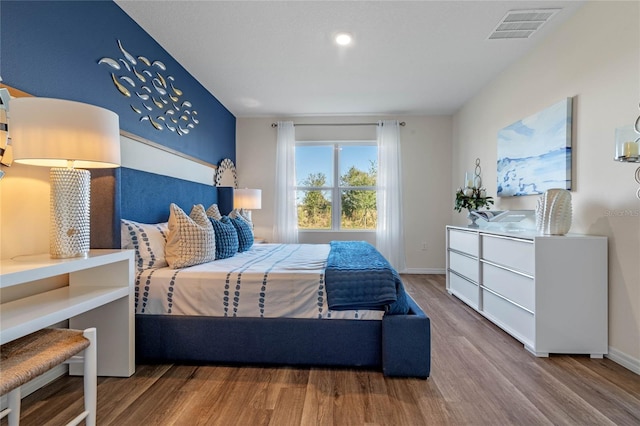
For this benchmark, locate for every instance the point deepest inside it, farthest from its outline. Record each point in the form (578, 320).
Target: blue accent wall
(52, 49)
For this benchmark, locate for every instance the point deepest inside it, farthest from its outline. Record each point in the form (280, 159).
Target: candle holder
(628, 144)
(472, 196)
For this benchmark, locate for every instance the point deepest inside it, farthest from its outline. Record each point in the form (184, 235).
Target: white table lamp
(247, 200)
(67, 136)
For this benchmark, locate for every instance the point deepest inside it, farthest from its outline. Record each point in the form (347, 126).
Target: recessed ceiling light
(343, 39)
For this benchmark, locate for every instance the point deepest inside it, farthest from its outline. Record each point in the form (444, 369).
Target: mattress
(269, 280)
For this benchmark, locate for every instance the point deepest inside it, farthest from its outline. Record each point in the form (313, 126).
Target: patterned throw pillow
(214, 212)
(245, 234)
(226, 237)
(191, 238)
(148, 241)
(241, 214)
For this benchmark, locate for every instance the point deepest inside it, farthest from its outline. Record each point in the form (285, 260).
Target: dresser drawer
(516, 321)
(511, 253)
(464, 289)
(464, 265)
(515, 287)
(466, 242)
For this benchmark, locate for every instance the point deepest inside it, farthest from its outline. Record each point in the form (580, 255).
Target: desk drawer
(511, 253)
(467, 291)
(464, 265)
(466, 242)
(515, 287)
(514, 320)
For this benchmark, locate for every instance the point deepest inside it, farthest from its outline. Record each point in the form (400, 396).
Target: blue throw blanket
(357, 276)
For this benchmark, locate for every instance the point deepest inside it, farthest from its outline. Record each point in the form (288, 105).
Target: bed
(398, 345)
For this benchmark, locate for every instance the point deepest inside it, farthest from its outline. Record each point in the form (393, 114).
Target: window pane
(358, 165)
(314, 165)
(358, 209)
(314, 209)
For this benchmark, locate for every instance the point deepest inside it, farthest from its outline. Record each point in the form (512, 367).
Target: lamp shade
(248, 199)
(52, 132)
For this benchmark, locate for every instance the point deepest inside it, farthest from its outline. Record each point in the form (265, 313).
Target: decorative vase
(553, 212)
(473, 219)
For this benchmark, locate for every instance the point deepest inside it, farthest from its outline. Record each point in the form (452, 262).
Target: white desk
(99, 294)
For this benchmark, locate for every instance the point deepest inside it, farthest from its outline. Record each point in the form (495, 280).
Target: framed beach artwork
(534, 154)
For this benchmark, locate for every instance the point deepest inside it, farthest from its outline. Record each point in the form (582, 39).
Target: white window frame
(336, 199)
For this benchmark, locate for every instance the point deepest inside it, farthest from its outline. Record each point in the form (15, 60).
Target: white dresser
(549, 292)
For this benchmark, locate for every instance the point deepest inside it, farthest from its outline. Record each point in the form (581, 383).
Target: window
(336, 185)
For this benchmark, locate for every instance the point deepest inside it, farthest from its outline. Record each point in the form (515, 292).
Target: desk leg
(114, 323)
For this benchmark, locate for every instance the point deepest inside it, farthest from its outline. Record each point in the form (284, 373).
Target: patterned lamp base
(69, 227)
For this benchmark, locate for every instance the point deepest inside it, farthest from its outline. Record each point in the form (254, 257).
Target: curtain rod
(402, 123)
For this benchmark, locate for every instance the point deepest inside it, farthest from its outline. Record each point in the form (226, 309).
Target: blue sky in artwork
(534, 154)
(538, 134)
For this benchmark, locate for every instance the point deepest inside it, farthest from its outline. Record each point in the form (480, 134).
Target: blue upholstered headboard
(143, 197)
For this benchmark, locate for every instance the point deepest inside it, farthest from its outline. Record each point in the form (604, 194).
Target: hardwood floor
(479, 376)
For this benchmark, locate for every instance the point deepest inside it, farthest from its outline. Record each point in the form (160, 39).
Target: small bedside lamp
(67, 136)
(247, 200)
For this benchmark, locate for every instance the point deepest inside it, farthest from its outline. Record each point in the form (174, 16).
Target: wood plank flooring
(479, 376)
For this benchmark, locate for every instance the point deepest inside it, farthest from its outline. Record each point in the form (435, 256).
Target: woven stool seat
(26, 358)
(30, 356)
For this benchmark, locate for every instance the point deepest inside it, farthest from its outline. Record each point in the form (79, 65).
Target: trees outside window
(336, 185)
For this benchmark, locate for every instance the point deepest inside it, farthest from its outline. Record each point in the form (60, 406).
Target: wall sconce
(67, 136)
(627, 143)
(247, 200)
(628, 147)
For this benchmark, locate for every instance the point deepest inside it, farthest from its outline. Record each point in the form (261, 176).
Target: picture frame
(534, 154)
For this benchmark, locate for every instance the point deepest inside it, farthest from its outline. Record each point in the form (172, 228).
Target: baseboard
(625, 360)
(38, 382)
(426, 271)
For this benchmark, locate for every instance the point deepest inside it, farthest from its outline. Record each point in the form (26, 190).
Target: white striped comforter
(270, 280)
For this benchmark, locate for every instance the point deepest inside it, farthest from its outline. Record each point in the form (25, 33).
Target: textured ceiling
(278, 58)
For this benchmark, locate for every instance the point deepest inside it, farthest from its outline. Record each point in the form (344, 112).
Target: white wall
(594, 58)
(426, 157)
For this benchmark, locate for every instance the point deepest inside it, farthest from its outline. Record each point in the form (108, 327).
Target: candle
(630, 149)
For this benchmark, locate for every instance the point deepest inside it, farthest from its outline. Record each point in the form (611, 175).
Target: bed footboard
(406, 343)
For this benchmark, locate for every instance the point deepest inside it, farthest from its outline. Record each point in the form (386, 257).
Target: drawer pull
(461, 253)
(506, 268)
(508, 300)
(504, 237)
(462, 276)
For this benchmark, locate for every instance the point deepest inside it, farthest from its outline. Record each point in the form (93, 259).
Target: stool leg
(90, 377)
(13, 403)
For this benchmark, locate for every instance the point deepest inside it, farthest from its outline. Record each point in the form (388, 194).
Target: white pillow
(240, 214)
(191, 238)
(148, 241)
(214, 212)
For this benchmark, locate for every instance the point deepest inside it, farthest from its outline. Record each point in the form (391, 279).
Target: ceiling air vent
(521, 23)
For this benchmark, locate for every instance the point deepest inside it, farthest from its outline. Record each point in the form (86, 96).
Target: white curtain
(286, 223)
(389, 233)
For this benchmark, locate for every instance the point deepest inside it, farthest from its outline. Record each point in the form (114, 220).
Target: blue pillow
(245, 233)
(226, 237)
